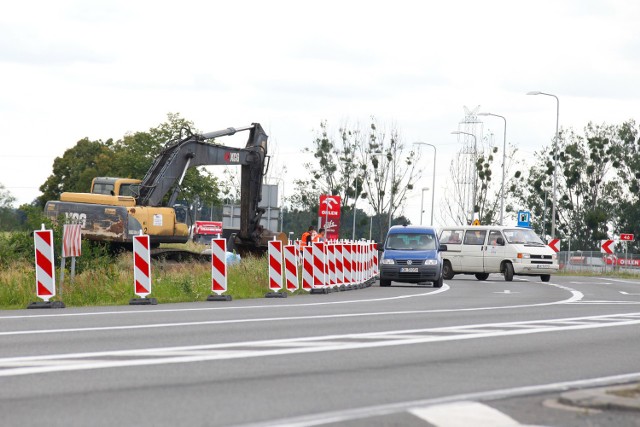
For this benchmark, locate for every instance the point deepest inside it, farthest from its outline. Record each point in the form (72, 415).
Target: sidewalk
(622, 397)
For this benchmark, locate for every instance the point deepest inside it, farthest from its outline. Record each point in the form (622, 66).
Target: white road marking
(576, 296)
(506, 291)
(627, 293)
(464, 414)
(27, 365)
(444, 288)
(342, 417)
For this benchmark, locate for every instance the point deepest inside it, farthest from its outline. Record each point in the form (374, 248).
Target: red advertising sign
(329, 214)
(626, 237)
(208, 227)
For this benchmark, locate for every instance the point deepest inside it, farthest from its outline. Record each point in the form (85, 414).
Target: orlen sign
(329, 214)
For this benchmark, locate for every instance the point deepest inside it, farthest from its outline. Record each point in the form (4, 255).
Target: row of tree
(372, 169)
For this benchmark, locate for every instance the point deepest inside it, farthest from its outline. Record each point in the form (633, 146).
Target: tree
(478, 177)
(586, 185)
(359, 164)
(129, 157)
(8, 217)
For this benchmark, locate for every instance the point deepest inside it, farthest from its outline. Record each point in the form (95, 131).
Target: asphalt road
(404, 355)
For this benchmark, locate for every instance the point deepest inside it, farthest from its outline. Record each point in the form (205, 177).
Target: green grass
(111, 283)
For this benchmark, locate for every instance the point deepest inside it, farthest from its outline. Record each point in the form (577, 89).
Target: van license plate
(543, 266)
(409, 270)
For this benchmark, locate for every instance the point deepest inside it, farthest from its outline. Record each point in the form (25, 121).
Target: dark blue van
(411, 255)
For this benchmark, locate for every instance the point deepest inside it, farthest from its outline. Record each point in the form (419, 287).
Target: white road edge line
(576, 296)
(464, 414)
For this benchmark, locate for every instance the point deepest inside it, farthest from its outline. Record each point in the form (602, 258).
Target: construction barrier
(142, 270)
(219, 270)
(319, 268)
(45, 270)
(291, 268)
(274, 255)
(307, 268)
(71, 247)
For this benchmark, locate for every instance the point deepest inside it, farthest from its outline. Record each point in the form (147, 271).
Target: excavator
(117, 209)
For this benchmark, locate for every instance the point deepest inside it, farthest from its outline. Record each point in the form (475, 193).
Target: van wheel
(438, 283)
(545, 277)
(482, 276)
(385, 282)
(447, 271)
(508, 272)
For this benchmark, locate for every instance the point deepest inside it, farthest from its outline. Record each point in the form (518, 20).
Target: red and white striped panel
(319, 267)
(331, 263)
(307, 268)
(376, 269)
(369, 260)
(337, 251)
(291, 268)
(218, 265)
(45, 269)
(71, 240)
(141, 265)
(348, 270)
(275, 264)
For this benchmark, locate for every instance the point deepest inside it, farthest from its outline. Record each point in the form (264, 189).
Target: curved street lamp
(504, 161)
(433, 185)
(555, 160)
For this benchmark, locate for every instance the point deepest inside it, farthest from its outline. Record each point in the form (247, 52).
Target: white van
(481, 250)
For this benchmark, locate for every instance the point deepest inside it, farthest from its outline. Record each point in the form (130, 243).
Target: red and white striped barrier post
(45, 270)
(274, 255)
(142, 270)
(339, 261)
(307, 268)
(291, 268)
(219, 270)
(319, 268)
(376, 268)
(348, 269)
(331, 264)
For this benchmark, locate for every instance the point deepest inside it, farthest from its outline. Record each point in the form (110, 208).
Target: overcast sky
(100, 69)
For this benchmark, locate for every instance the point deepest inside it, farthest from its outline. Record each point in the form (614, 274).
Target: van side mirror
(500, 241)
(443, 248)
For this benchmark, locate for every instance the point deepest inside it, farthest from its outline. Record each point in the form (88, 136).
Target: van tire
(482, 276)
(385, 282)
(447, 271)
(508, 272)
(438, 283)
(545, 277)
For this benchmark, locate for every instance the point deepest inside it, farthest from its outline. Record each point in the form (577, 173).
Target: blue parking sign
(524, 219)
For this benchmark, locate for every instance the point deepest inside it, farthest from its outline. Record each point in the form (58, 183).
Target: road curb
(604, 398)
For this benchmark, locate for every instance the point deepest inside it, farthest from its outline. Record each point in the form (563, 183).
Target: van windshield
(522, 236)
(411, 242)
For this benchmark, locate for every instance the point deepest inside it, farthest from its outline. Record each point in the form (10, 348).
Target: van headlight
(554, 257)
(431, 262)
(387, 261)
(524, 256)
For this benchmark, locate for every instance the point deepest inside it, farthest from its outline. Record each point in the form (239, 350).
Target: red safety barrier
(331, 264)
(219, 270)
(142, 270)
(291, 268)
(307, 268)
(348, 269)
(319, 271)
(274, 253)
(339, 261)
(45, 270)
(71, 240)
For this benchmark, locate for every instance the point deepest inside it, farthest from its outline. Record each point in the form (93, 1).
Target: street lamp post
(433, 184)
(475, 153)
(422, 203)
(355, 199)
(504, 161)
(555, 161)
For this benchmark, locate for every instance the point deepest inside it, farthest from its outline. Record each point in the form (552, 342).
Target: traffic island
(623, 397)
